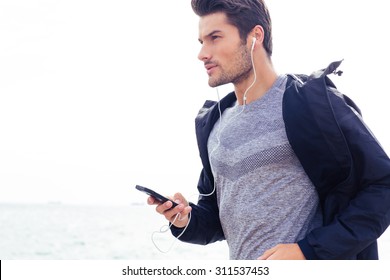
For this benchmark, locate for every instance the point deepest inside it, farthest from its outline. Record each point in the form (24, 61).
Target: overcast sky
(97, 96)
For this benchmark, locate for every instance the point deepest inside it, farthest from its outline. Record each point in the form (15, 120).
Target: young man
(290, 171)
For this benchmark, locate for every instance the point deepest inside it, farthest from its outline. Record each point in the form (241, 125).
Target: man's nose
(204, 53)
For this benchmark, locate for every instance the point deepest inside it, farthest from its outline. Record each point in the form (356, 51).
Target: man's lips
(209, 67)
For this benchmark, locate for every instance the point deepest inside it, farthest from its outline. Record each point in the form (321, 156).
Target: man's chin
(216, 83)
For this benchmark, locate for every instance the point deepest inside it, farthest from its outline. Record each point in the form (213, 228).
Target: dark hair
(243, 14)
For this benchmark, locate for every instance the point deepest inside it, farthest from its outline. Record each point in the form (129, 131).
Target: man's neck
(265, 78)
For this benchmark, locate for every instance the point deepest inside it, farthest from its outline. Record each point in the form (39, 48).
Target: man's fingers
(163, 208)
(177, 215)
(184, 213)
(267, 254)
(151, 200)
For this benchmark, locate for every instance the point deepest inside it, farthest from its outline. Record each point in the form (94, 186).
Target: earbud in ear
(253, 42)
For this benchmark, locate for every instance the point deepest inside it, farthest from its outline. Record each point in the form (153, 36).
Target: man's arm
(205, 226)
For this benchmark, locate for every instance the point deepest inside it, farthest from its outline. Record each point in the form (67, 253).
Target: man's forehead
(213, 22)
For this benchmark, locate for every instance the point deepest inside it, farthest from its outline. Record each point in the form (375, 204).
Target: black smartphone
(156, 195)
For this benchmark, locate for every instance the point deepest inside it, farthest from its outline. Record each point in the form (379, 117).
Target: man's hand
(283, 252)
(170, 214)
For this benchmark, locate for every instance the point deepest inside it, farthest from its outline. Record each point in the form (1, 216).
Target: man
(286, 174)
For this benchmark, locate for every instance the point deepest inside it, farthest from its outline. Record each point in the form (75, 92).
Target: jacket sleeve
(204, 226)
(367, 215)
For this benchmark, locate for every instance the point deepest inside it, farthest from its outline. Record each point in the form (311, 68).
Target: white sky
(97, 96)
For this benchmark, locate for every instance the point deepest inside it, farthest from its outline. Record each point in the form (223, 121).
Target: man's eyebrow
(212, 33)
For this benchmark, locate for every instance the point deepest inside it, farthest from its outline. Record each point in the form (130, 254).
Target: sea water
(74, 232)
(56, 231)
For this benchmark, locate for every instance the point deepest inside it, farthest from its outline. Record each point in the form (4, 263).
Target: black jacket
(345, 162)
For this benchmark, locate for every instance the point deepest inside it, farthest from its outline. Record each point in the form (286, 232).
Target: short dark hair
(243, 14)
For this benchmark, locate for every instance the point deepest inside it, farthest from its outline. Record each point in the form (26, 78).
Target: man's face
(226, 58)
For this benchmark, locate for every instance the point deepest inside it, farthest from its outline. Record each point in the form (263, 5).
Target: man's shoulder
(210, 107)
(207, 107)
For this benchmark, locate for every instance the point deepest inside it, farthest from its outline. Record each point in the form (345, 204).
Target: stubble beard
(240, 69)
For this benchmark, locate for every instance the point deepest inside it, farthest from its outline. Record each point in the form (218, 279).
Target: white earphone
(253, 43)
(254, 71)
